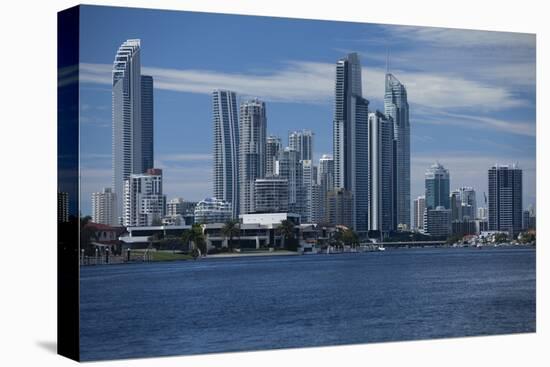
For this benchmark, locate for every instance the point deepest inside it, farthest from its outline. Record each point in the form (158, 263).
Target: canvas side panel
(67, 183)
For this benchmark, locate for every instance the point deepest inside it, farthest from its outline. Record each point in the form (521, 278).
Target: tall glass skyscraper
(147, 113)
(396, 106)
(126, 114)
(437, 187)
(381, 215)
(350, 137)
(252, 157)
(226, 145)
(505, 199)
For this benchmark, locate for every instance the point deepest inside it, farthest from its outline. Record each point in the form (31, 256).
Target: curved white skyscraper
(396, 106)
(226, 145)
(126, 115)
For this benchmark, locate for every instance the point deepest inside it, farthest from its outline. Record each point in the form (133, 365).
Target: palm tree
(286, 229)
(195, 236)
(231, 229)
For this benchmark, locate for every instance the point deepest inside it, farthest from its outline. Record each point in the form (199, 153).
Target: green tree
(286, 230)
(500, 237)
(349, 238)
(231, 229)
(196, 237)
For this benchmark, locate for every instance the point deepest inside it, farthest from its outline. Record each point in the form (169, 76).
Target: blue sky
(471, 93)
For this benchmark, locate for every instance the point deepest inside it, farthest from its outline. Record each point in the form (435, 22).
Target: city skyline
(195, 161)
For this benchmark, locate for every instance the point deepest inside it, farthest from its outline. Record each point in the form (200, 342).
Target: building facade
(437, 180)
(126, 115)
(350, 137)
(419, 208)
(271, 195)
(381, 203)
(62, 207)
(340, 208)
(147, 122)
(103, 207)
(252, 145)
(302, 142)
(272, 149)
(289, 167)
(505, 198)
(437, 222)
(213, 210)
(397, 107)
(226, 147)
(144, 201)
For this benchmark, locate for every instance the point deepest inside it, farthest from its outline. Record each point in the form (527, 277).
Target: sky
(471, 93)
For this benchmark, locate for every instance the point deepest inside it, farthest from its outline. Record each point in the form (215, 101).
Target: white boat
(381, 248)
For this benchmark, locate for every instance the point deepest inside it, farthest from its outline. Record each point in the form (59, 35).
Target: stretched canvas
(241, 183)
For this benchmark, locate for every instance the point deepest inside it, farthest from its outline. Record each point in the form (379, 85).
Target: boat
(381, 248)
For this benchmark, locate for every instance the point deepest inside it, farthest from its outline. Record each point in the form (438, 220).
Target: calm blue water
(222, 305)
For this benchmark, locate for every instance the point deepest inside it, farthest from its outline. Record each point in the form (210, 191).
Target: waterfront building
(128, 137)
(326, 182)
(213, 210)
(302, 142)
(340, 208)
(62, 207)
(468, 203)
(505, 199)
(289, 167)
(179, 206)
(456, 206)
(418, 211)
(226, 147)
(525, 220)
(396, 106)
(437, 222)
(350, 138)
(144, 202)
(272, 149)
(103, 207)
(271, 195)
(317, 204)
(147, 123)
(464, 227)
(381, 200)
(437, 180)
(252, 145)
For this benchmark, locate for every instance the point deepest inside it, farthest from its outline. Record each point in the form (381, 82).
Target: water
(222, 305)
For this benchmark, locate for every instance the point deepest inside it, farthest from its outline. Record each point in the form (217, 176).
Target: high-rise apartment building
(340, 207)
(226, 147)
(289, 167)
(397, 107)
(505, 198)
(62, 207)
(271, 195)
(132, 117)
(437, 180)
(103, 207)
(144, 202)
(419, 209)
(302, 142)
(350, 137)
(272, 149)
(212, 210)
(252, 145)
(381, 203)
(147, 117)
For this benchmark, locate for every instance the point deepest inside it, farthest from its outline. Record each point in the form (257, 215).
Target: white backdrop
(28, 182)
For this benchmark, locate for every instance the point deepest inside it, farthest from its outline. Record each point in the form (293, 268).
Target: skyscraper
(226, 148)
(306, 192)
(289, 168)
(381, 213)
(302, 142)
(144, 202)
(252, 145)
(62, 207)
(396, 106)
(505, 199)
(272, 149)
(419, 208)
(103, 207)
(326, 182)
(468, 203)
(350, 137)
(126, 115)
(437, 181)
(340, 207)
(147, 113)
